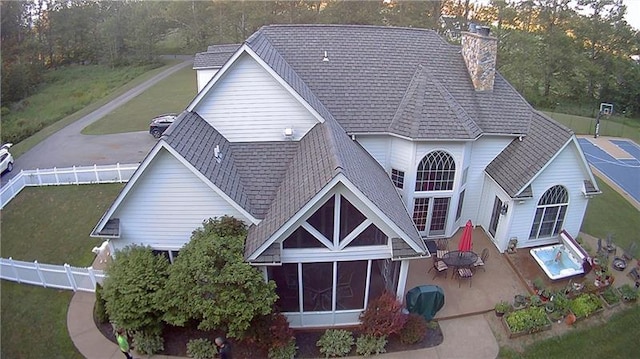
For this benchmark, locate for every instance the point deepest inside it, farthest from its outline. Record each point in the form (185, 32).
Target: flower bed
(585, 305)
(526, 321)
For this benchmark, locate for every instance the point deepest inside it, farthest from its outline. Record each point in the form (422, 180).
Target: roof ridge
(472, 128)
(407, 98)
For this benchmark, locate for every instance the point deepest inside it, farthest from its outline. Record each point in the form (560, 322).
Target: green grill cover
(425, 300)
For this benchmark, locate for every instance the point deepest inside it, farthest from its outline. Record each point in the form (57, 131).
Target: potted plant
(502, 307)
(628, 293)
(519, 301)
(538, 285)
(535, 300)
(549, 307)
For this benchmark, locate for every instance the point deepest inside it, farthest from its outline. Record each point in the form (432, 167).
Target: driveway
(68, 147)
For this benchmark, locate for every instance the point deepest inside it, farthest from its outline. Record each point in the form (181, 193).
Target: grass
(611, 213)
(26, 144)
(172, 94)
(52, 225)
(615, 126)
(617, 338)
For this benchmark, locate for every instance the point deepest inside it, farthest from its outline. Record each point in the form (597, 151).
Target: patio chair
(482, 260)
(628, 253)
(439, 266)
(464, 273)
(442, 246)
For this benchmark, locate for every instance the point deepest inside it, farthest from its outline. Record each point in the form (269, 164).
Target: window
(420, 211)
(495, 216)
(436, 172)
(397, 177)
(169, 255)
(460, 201)
(550, 213)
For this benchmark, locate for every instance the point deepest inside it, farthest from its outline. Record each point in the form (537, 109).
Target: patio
(499, 282)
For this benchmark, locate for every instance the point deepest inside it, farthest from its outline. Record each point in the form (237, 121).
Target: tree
(131, 288)
(211, 283)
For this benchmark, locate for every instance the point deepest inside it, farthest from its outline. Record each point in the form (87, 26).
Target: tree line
(555, 52)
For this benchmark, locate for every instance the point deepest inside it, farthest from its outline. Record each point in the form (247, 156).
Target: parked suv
(160, 123)
(6, 160)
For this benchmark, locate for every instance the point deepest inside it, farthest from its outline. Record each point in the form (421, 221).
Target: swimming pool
(567, 265)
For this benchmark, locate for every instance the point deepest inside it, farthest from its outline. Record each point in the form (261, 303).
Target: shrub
(335, 343)
(99, 310)
(369, 345)
(131, 288)
(628, 293)
(383, 316)
(286, 351)
(414, 329)
(270, 331)
(148, 341)
(531, 319)
(201, 349)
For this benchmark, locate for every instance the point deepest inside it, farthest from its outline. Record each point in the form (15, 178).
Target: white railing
(51, 276)
(64, 176)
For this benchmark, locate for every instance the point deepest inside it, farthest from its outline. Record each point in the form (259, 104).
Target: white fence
(64, 176)
(51, 276)
(58, 276)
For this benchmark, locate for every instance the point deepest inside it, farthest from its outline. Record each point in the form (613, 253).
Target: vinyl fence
(51, 276)
(117, 173)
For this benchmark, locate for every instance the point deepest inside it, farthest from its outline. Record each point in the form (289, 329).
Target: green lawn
(52, 225)
(617, 338)
(38, 107)
(172, 94)
(615, 126)
(611, 213)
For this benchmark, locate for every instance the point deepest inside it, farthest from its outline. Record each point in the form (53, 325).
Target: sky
(632, 16)
(633, 13)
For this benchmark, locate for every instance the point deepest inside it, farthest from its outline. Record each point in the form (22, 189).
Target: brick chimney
(479, 51)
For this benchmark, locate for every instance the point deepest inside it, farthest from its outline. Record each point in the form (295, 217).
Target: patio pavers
(498, 281)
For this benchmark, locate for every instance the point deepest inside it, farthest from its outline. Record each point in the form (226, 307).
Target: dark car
(160, 123)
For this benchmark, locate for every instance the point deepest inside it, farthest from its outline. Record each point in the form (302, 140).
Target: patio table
(460, 259)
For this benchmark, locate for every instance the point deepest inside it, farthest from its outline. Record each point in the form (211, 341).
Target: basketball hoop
(606, 109)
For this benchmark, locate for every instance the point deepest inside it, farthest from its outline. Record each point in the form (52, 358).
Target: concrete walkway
(467, 337)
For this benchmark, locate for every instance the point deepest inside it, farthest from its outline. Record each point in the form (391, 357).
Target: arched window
(436, 172)
(550, 213)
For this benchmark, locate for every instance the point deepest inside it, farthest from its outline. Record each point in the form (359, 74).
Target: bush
(383, 316)
(286, 351)
(414, 329)
(335, 343)
(201, 349)
(368, 344)
(131, 288)
(99, 310)
(270, 331)
(148, 341)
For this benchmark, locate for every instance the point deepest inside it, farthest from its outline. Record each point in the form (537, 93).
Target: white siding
(378, 148)
(248, 104)
(166, 204)
(401, 154)
(490, 191)
(203, 77)
(483, 151)
(567, 170)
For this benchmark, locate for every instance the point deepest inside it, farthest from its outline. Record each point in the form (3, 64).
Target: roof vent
(216, 154)
(288, 133)
(326, 57)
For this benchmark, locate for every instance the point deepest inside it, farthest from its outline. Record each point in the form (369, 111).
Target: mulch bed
(176, 338)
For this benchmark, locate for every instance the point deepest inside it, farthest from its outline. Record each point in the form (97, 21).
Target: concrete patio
(498, 282)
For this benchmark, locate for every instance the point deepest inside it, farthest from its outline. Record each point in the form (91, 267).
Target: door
(430, 215)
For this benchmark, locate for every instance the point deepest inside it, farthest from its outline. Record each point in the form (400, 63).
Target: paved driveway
(68, 147)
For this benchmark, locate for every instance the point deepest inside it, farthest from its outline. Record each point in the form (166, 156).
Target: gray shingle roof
(215, 56)
(370, 69)
(325, 151)
(249, 173)
(516, 165)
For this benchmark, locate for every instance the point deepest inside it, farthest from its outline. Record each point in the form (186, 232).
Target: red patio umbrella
(466, 243)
